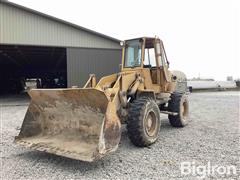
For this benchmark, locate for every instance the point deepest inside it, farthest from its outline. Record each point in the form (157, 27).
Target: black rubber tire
(138, 115)
(177, 102)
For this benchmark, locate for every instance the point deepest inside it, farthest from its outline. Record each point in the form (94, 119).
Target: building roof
(59, 20)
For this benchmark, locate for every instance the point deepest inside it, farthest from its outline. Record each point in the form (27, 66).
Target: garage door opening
(23, 67)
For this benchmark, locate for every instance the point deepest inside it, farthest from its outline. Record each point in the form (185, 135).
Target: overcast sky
(201, 37)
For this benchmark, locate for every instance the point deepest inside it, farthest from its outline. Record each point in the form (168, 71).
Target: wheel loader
(85, 123)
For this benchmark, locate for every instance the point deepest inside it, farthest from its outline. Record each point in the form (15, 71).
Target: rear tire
(143, 123)
(178, 103)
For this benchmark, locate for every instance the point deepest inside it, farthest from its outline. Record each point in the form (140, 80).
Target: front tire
(143, 123)
(178, 103)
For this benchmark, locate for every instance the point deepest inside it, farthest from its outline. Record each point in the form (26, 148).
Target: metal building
(36, 45)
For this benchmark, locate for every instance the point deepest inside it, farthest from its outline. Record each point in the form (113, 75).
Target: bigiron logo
(202, 171)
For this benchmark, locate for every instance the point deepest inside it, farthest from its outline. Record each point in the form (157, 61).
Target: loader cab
(144, 53)
(149, 54)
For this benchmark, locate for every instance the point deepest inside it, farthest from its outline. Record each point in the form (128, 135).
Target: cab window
(150, 58)
(133, 54)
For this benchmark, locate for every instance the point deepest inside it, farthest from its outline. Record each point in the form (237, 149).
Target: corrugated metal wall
(82, 62)
(21, 27)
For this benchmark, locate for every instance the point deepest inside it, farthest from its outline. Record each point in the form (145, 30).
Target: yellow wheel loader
(85, 123)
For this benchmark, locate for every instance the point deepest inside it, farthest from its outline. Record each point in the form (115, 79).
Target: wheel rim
(151, 124)
(184, 110)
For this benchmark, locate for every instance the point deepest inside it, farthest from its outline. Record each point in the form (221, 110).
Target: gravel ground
(212, 136)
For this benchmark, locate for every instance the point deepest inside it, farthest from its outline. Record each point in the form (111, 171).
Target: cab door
(161, 59)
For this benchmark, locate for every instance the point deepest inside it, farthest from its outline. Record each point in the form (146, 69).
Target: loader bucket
(77, 123)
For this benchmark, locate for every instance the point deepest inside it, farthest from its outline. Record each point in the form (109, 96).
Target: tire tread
(134, 125)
